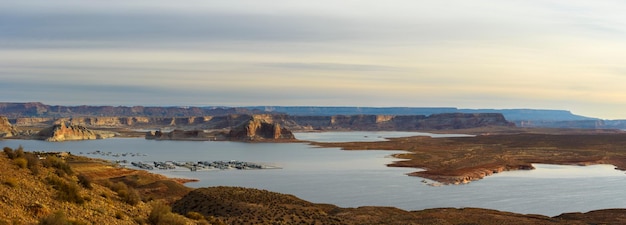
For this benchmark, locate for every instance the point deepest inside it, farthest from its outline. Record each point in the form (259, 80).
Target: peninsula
(460, 160)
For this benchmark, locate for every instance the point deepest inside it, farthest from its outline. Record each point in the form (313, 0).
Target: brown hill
(49, 191)
(251, 206)
(236, 205)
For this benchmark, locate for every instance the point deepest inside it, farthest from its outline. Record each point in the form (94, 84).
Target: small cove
(358, 178)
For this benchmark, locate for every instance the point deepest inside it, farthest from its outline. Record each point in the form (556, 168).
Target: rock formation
(37, 109)
(6, 129)
(258, 130)
(339, 122)
(64, 132)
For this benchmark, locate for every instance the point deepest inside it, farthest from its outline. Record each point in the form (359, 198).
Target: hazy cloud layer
(475, 54)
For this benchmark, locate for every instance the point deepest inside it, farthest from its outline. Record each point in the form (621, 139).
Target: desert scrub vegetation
(9, 152)
(66, 191)
(23, 159)
(201, 220)
(11, 182)
(234, 205)
(21, 162)
(31, 161)
(161, 214)
(85, 181)
(126, 194)
(62, 168)
(58, 218)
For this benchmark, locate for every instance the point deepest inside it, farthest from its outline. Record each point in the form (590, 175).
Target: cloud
(296, 52)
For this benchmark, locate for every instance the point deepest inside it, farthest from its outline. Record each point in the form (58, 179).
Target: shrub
(118, 186)
(21, 162)
(33, 163)
(126, 194)
(161, 214)
(62, 168)
(130, 196)
(19, 152)
(11, 182)
(9, 152)
(66, 191)
(194, 216)
(85, 181)
(70, 192)
(58, 218)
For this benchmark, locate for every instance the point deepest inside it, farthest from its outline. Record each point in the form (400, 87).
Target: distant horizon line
(285, 106)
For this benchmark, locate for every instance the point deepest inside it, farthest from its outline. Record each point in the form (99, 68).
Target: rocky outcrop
(444, 121)
(64, 132)
(259, 130)
(6, 129)
(33, 121)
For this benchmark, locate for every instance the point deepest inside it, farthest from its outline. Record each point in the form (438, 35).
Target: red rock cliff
(258, 129)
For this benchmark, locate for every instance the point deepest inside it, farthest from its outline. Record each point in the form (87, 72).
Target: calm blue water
(357, 178)
(366, 136)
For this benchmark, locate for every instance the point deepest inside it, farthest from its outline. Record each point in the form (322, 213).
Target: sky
(541, 54)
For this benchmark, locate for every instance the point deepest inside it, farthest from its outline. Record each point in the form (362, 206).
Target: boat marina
(112, 154)
(201, 165)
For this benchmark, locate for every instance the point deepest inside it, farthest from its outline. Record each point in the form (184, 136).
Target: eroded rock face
(64, 132)
(257, 129)
(6, 129)
(339, 122)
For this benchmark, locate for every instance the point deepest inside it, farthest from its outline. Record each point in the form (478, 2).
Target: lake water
(358, 178)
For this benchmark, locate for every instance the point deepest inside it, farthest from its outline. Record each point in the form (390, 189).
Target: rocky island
(461, 160)
(257, 129)
(253, 130)
(65, 132)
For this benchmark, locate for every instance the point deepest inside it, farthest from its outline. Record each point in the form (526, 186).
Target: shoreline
(463, 160)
